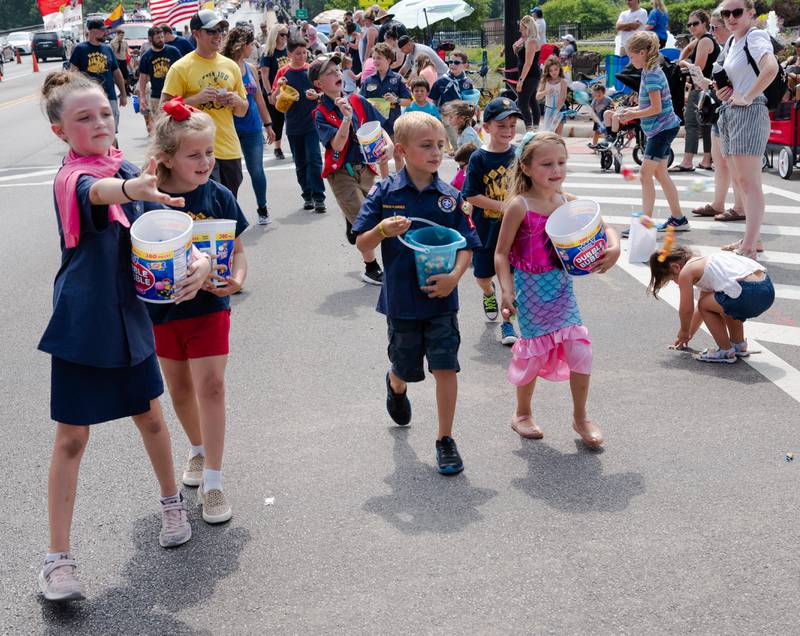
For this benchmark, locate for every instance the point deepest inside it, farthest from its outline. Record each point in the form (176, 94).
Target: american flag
(172, 11)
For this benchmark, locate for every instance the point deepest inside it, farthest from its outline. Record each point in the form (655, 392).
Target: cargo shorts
(436, 338)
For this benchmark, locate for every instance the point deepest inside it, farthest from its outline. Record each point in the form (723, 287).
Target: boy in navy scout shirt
(336, 119)
(485, 189)
(422, 320)
(451, 87)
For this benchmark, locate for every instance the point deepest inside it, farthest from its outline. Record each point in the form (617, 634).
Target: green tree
(347, 5)
(19, 13)
(594, 16)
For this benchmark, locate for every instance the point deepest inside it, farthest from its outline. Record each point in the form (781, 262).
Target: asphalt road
(686, 523)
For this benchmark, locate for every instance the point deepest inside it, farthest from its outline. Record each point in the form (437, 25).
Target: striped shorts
(744, 130)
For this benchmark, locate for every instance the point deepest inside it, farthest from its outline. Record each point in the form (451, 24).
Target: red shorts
(199, 337)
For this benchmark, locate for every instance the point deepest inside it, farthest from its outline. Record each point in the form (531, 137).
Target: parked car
(48, 44)
(21, 40)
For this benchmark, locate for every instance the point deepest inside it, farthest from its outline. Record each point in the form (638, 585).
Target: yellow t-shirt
(191, 74)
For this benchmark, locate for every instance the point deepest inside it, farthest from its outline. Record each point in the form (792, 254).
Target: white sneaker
(193, 471)
(175, 528)
(216, 508)
(58, 581)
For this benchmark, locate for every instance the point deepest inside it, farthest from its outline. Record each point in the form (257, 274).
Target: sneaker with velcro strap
(58, 581)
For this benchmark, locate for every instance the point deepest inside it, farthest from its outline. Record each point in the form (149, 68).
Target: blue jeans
(308, 164)
(253, 151)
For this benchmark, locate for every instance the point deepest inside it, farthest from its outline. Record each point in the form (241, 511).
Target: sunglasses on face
(282, 35)
(692, 24)
(453, 62)
(735, 13)
(213, 32)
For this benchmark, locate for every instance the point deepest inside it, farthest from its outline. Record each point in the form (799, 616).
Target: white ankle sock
(55, 556)
(171, 498)
(197, 450)
(212, 479)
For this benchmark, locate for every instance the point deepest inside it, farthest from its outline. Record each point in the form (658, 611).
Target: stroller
(630, 77)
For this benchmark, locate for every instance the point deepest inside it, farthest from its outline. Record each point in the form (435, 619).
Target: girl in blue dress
(99, 336)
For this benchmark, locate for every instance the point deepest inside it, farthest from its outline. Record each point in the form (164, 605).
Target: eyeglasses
(693, 24)
(453, 62)
(735, 13)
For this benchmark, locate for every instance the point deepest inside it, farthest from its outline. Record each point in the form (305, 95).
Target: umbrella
(328, 16)
(418, 14)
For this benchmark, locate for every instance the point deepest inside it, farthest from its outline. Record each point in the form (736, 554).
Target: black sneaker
(351, 236)
(308, 204)
(319, 206)
(372, 276)
(398, 405)
(448, 461)
(263, 216)
(279, 154)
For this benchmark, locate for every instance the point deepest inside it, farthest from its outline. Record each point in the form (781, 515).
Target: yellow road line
(18, 101)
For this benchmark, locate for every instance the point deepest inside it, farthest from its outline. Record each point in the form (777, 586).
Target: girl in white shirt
(732, 288)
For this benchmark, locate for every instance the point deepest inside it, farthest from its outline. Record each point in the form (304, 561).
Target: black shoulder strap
(750, 59)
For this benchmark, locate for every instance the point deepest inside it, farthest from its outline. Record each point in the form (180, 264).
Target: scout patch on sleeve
(447, 203)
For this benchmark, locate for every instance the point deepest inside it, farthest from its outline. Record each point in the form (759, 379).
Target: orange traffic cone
(19, 57)
(35, 62)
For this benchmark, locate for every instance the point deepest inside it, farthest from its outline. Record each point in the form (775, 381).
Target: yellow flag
(208, 5)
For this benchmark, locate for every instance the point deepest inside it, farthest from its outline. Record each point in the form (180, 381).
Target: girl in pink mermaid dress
(554, 343)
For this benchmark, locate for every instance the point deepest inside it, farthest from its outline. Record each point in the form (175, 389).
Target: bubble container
(161, 242)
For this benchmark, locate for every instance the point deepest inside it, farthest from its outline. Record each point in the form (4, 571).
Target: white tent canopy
(418, 14)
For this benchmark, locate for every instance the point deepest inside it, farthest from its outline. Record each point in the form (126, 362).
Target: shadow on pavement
(575, 482)
(158, 584)
(348, 302)
(488, 347)
(422, 500)
(300, 216)
(740, 372)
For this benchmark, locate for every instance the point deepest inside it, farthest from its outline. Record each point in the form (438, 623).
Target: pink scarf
(65, 187)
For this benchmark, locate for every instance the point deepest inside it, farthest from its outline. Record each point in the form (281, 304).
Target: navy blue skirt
(82, 395)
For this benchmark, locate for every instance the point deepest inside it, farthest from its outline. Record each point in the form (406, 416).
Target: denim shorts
(436, 338)
(657, 146)
(757, 296)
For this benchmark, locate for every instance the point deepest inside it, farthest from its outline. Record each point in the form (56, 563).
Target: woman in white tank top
(732, 288)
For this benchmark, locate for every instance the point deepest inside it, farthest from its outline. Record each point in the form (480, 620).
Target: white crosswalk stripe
(778, 327)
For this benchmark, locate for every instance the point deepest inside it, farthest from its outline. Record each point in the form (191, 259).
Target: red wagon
(784, 138)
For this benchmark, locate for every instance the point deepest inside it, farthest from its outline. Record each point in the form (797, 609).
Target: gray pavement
(686, 523)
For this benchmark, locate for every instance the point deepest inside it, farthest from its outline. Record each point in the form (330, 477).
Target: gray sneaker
(175, 528)
(216, 508)
(193, 472)
(58, 581)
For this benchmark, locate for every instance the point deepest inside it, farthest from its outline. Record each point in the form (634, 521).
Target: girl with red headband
(192, 338)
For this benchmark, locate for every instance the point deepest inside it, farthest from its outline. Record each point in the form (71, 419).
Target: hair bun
(54, 80)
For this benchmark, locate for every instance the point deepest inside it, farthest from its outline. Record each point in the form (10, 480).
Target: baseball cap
(95, 23)
(568, 37)
(321, 64)
(500, 108)
(206, 19)
(536, 11)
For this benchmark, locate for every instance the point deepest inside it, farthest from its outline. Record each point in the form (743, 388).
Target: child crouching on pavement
(336, 119)
(422, 320)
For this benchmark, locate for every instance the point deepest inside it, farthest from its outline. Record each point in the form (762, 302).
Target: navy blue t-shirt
(393, 83)
(155, 65)
(487, 174)
(299, 118)
(209, 201)
(182, 44)
(274, 62)
(98, 320)
(441, 203)
(449, 88)
(327, 131)
(97, 62)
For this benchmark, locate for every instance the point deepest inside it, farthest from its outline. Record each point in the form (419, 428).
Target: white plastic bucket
(578, 234)
(370, 137)
(641, 240)
(161, 241)
(216, 238)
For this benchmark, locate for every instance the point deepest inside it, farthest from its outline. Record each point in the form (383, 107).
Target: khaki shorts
(350, 192)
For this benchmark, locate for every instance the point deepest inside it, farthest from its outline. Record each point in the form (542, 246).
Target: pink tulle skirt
(552, 356)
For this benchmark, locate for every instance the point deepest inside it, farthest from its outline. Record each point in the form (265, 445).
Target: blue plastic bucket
(472, 96)
(161, 242)
(578, 234)
(434, 248)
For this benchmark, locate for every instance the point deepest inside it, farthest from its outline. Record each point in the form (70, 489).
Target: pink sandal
(529, 431)
(592, 437)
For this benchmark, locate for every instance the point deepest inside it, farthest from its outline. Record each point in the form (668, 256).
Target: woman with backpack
(749, 66)
(702, 51)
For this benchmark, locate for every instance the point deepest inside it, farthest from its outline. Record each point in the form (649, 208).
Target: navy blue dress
(100, 336)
